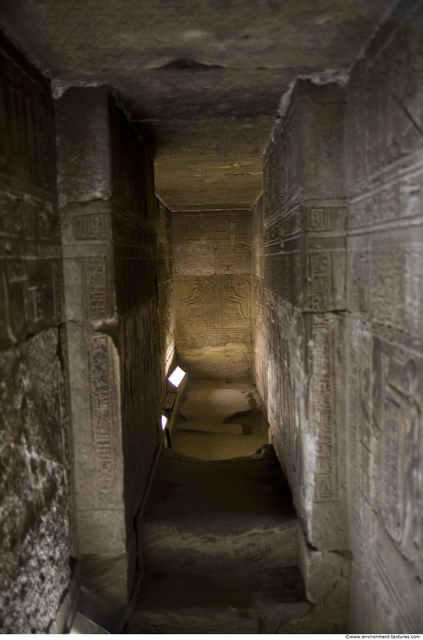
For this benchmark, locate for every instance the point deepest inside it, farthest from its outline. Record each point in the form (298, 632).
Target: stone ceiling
(202, 78)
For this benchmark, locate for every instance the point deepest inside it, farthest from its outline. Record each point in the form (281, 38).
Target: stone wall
(212, 275)
(165, 282)
(344, 322)
(134, 220)
(385, 298)
(258, 299)
(90, 309)
(305, 209)
(108, 212)
(35, 485)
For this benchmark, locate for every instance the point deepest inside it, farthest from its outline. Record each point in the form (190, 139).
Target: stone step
(167, 548)
(211, 426)
(222, 603)
(219, 516)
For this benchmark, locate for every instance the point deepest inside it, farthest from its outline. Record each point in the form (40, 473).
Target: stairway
(220, 548)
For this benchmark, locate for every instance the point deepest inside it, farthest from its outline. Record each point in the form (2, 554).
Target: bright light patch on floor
(177, 377)
(164, 422)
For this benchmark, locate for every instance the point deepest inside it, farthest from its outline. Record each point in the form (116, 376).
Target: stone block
(305, 291)
(35, 485)
(321, 148)
(83, 145)
(108, 227)
(323, 571)
(101, 532)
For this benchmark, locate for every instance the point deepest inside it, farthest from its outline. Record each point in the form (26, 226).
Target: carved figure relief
(237, 300)
(193, 303)
(218, 303)
(401, 455)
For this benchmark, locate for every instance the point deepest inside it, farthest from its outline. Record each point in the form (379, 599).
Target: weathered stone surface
(209, 433)
(385, 296)
(324, 572)
(108, 222)
(104, 588)
(212, 266)
(301, 342)
(35, 483)
(219, 403)
(90, 298)
(83, 139)
(231, 362)
(219, 604)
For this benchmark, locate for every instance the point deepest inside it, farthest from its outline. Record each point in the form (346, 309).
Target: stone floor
(219, 534)
(219, 420)
(220, 548)
(220, 540)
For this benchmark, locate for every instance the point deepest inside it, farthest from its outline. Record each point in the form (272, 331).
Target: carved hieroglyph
(212, 261)
(214, 310)
(110, 266)
(385, 245)
(305, 290)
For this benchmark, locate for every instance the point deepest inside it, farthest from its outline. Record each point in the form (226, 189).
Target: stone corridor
(234, 188)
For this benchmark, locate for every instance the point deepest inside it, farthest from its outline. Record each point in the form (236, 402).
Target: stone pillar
(90, 305)
(305, 297)
(305, 211)
(108, 224)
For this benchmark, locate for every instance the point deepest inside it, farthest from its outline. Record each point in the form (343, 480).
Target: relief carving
(397, 270)
(213, 302)
(401, 455)
(91, 226)
(237, 299)
(101, 398)
(198, 227)
(320, 272)
(194, 303)
(320, 219)
(360, 281)
(321, 412)
(96, 277)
